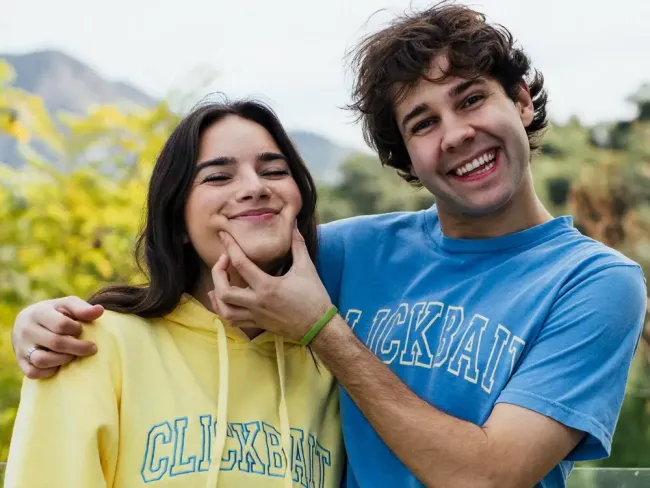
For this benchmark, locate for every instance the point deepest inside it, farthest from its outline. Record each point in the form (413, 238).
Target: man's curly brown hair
(388, 63)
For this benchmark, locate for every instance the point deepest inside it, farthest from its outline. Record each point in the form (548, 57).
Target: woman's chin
(268, 258)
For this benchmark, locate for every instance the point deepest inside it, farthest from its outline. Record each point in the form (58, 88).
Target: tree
(69, 231)
(366, 188)
(604, 183)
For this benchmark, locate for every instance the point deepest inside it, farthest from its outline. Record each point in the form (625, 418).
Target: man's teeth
(486, 162)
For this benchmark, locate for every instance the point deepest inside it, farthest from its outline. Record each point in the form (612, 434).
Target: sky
(291, 53)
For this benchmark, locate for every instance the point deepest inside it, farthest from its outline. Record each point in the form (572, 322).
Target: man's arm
(575, 372)
(515, 448)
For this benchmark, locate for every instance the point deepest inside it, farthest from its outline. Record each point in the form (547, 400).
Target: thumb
(92, 312)
(299, 249)
(78, 309)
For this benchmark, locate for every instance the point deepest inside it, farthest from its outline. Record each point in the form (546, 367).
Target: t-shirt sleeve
(577, 368)
(329, 262)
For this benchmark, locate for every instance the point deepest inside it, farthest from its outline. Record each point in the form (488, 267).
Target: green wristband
(309, 336)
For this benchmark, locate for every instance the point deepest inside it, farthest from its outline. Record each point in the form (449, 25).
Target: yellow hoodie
(181, 401)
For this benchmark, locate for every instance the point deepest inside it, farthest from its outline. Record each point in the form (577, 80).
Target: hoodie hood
(192, 314)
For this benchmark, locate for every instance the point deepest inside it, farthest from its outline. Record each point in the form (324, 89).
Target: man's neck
(522, 212)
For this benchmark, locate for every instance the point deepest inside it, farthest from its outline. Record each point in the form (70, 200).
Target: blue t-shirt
(546, 318)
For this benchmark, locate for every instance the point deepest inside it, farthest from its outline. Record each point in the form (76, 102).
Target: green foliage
(366, 188)
(609, 199)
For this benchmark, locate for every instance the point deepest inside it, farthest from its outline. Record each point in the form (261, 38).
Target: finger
(249, 324)
(224, 293)
(299, 249)
(78, 309)
(234, 314)
(42, 359)
(238, 260)
(46, 315)
(238, 297)
(33, 323)
(64, 344)
(220, 276)
(35, 373)
(213, 302)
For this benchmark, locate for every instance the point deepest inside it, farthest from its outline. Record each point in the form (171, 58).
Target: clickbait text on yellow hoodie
(179, 401)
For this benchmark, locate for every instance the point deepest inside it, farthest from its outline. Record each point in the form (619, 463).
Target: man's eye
(423, 124)
(473, 100)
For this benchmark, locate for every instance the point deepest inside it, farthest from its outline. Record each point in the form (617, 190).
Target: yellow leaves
(23, 115)
(55, 211)
(30, 257)
(68, 228)
(101, 264)
(9, 125)
(19, 131)
(7, 72)
(74, 230)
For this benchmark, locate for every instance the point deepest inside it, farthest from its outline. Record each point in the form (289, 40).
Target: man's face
(466, 140)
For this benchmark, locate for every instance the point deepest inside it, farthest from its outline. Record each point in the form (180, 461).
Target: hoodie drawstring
(222, 407)
(222, 410)
(285, 430)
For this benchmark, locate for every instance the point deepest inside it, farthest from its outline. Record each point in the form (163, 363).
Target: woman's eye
(216, 178)
(276, 173)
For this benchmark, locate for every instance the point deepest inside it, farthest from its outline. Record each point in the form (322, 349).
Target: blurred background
(89, 92)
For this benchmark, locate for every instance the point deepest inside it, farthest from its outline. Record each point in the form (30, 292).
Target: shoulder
(354, 241)
(593, 264)
(119, 335)
(359, 228)
(116, 327)
(602, 290)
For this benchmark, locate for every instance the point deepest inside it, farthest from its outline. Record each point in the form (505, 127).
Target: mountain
(321, 155)
(67, 84)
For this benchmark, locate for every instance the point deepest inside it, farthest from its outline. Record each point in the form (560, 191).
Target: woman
(175, 396)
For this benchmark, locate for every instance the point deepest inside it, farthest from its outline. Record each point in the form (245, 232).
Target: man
(480, 343)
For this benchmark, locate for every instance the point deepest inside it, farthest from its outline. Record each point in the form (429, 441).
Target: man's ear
(524, 103)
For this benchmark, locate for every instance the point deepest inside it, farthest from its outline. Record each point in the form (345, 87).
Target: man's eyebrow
(454, 92)
(415, 111)
(465, 85)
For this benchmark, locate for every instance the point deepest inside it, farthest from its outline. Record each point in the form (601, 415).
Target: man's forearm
(441, 450)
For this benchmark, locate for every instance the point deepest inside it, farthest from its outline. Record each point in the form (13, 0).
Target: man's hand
(286, 305)
(51, 327)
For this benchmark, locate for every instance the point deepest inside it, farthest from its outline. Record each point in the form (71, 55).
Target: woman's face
(243, 186)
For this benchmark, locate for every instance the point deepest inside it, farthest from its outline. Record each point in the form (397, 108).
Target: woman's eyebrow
(220, 161)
